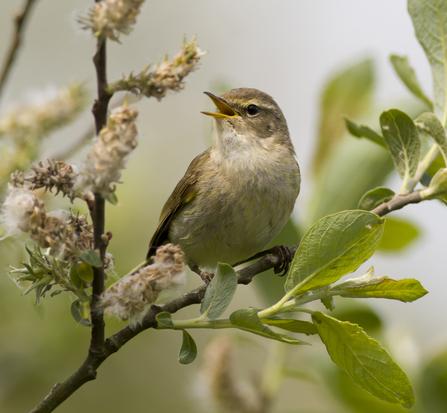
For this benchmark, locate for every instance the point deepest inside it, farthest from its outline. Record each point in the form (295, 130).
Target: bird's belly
(230, 228)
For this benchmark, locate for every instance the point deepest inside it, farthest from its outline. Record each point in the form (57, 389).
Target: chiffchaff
(237, 195)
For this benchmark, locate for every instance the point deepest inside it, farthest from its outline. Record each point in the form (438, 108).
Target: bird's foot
(285, 256)
(205, 276)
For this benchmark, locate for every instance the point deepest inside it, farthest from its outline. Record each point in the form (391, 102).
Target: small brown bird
(237, 195)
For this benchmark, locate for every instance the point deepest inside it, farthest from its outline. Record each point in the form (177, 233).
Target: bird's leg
(284, 253)
(205, 276)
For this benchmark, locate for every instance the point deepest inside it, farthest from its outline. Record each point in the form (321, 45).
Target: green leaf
(220, 292)
(248, 320)
(111, 198)
(329, 303)
(296, 326)
(85, 272)
(364, 359)
(164, 318)
(406, 290)
(348, 92)
(397, 235)
(188, 351)
(431, 27)
(402, 139)
(375, 197)
(363, 131)
(431, 124)
(79, 311)
(74, 276)
(91, 257)
(336, 245)
(406, 73)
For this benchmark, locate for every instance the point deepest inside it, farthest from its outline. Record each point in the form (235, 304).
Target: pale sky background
(286, 48)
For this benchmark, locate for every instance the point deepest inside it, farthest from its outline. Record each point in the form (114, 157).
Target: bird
(236, 196)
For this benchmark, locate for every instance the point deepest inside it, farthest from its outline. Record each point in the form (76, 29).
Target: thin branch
(100, 108)
(16, 41)
(398, 202)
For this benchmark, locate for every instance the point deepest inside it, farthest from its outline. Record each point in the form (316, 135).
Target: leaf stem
(424, 164)
(196, 323)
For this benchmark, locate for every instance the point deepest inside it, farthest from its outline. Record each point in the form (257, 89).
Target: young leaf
(375, 197)
(78, 313)
(164, 318)
(430, 26)
(296, 326)
(397, 235)
(431, 124)
(363, 131)
(188, 351)
(220, 292)
(406, 73)
(406, 290)
(329, 303)
(112, 198)
(248, 320)
(74, 276)
(85, 272)
(402, 139)
(336, 245)
(364, 359)
(91, 257)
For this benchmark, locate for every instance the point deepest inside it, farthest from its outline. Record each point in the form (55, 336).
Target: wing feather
(183, 193)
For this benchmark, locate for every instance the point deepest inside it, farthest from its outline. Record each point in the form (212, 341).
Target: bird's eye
(253, 110)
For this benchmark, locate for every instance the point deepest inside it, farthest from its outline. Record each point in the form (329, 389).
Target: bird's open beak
(225, 111)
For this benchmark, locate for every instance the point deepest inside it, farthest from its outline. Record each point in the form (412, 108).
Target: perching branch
(16, 41)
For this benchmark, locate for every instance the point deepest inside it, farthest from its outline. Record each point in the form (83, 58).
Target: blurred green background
(298, 52)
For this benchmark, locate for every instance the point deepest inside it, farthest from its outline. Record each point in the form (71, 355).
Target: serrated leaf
(188, 351)
(220, 292)
(164, 318)
(397, 235)
(91, 257)
(248, 320)
(364, 359)
(432, 125)
(336, 245)
(406, 73)
(375, 197)
(406, 290)
(402, 138)
(363, 131)
(296, 326)
(431, 26)
(85, 272)
(77, 312)
(348, 92)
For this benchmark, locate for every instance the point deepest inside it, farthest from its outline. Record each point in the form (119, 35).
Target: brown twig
(398, 202)
(100, 108)
(16, 41)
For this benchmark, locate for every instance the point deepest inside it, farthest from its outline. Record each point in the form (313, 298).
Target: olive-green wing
(183, 193)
